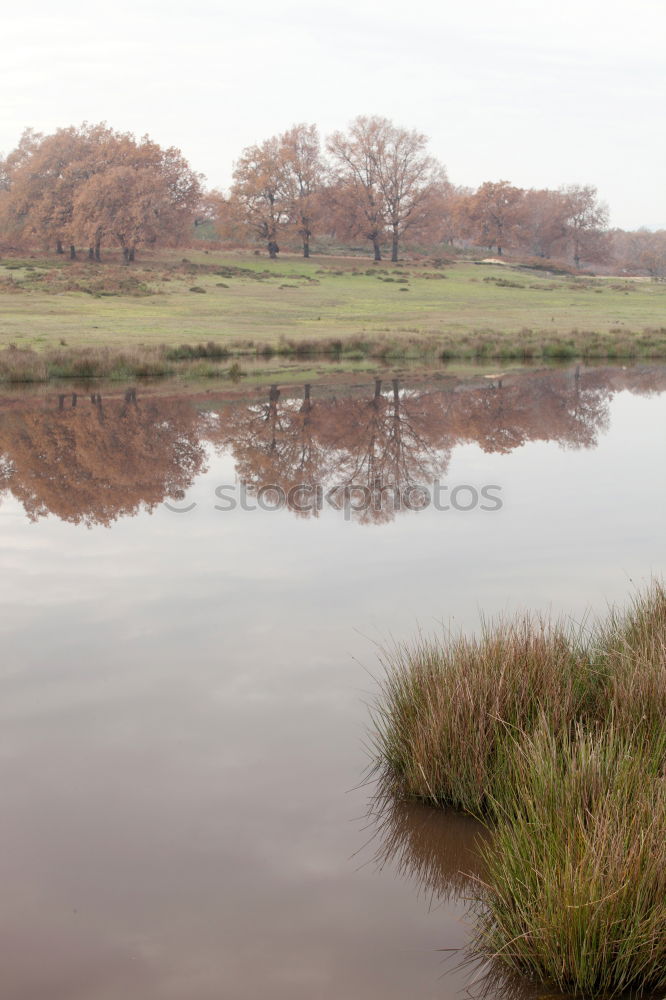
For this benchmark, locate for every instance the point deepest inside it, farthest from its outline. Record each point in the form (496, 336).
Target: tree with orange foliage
(493, 214)
(408, 179)
(385, 180)
(541, 224)
(302, 167)
(356, 188)
(151, 196)
(586, 219)
(43, 174)
(69, 186)
(260, 194)
(276, 187)
(447, 215)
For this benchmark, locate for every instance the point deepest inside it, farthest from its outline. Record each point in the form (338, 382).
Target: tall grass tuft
(631, 652)
(575, 890)
(449, 712)
(559, 739)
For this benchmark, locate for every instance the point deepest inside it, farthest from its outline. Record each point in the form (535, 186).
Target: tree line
(375, 183)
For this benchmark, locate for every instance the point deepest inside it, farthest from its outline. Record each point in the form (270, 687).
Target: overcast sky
(540, 94)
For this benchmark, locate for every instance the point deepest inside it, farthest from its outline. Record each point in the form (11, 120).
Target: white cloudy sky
(538, 93)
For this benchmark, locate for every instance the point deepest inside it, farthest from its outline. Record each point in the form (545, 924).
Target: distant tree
(209, 212)
(541, 223)
(643, 251)
(493, 212)
(260, 193)
(409, 181)
(448, 213)
(147, 195)
(386, 178)
(302, 172)
(52, 180)
(585, 220)
(356, 185)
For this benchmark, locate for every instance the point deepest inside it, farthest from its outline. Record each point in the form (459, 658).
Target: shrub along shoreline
(556, 738)
(18, 364)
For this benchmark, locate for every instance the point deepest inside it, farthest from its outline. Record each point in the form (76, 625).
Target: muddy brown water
(189, 651)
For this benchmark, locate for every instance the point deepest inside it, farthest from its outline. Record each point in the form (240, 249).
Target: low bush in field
(17, 365)
(187, 352)
(27, 365)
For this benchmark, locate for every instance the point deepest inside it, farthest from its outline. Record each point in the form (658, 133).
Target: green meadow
(194, 296)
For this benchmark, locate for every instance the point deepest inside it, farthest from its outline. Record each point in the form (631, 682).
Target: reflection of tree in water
(562, 406)
(437, 850)
(381, 443)
(91, 460)
(386, 445)
(275, 441)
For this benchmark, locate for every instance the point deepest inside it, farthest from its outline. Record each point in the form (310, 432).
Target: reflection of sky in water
(183, 714)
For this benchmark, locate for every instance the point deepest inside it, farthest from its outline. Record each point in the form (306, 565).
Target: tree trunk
(377, 248)
(59, 246)
(98, 246)
(499, 251)
(132, 252)
(306, 405)
(72, 253)
(394, 248)
(306, 246)
(91, 253)
(126, 255)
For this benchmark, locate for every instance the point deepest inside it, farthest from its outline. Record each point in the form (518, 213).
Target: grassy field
(244, 298)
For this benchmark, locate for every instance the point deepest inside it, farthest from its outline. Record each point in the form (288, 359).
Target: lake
(196, 583)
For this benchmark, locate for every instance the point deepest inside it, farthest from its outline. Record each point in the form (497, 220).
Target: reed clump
(575, 870)
(448, 713)
(556, 737)
(630, 650)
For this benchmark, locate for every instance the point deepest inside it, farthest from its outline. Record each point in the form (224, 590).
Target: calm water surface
(185, 688)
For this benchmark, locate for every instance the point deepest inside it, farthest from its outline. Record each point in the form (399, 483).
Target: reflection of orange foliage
(98, 460)
(387, 444)
(102, 459)
(384, 442)
(275, 441)
(394, 437)
(548, 406)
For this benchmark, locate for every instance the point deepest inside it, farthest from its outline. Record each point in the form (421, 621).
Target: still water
(194, 584)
